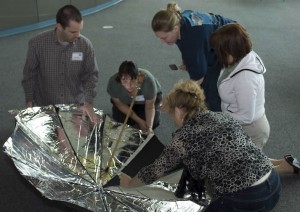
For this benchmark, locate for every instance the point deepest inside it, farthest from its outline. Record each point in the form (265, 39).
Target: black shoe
(293, 162)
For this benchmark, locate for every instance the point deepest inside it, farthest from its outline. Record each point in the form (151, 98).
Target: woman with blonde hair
(190, 31)
(214, 148)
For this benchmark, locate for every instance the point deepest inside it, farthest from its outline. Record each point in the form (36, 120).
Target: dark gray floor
(274, 28)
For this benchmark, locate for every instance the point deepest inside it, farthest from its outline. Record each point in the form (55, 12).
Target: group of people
(219, 112)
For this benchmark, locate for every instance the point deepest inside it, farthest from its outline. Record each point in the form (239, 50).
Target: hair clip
(193, 95)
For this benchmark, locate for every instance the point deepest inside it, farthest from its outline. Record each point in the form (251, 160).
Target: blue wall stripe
(42, 24)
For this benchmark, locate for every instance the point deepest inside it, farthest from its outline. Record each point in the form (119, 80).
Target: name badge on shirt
(77, 56)
(140, 98)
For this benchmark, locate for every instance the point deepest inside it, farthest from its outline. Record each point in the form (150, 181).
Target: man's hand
(89, 109)
(29, 104)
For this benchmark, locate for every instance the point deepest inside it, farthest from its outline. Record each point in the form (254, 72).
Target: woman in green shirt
(122, 86)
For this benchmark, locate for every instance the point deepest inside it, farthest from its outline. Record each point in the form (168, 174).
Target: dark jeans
(210, 88)
(262, 197)
(140, 111)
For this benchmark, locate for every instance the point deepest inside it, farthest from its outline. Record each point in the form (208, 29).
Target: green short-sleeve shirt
(149, 89)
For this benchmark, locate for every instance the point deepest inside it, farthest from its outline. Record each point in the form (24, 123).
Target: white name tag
(140, 98)
(77, 56)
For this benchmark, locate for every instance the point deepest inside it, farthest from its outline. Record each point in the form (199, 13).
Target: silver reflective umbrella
(67, 158)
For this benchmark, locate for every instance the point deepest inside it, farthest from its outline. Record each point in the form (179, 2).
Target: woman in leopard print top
(213, 147)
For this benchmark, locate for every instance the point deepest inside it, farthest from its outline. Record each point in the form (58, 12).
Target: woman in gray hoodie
(241, 87)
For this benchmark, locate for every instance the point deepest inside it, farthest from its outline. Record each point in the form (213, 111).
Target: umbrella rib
(57, 111)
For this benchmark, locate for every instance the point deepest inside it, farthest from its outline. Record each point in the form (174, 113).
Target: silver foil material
(63, 155)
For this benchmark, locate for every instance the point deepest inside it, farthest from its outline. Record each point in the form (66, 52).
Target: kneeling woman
(139, 85)
(214, 147)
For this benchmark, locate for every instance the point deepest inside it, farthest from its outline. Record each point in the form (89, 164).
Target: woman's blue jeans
(262, 197)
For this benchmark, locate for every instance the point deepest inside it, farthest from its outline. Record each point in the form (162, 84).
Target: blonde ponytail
(166, 20)
(173, 7)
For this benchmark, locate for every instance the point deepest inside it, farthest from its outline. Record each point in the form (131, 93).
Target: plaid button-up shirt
(57, 74)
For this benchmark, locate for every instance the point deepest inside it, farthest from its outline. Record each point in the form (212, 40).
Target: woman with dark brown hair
(241, 87)
(135, 84)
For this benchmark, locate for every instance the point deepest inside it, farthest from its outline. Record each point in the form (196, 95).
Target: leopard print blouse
(214, 147)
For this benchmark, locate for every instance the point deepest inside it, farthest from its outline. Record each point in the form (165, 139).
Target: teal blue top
(195, 31)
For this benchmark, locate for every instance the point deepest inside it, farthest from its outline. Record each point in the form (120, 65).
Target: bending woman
(122, 86)
(241, 87)
(214, 148)
(190, 31)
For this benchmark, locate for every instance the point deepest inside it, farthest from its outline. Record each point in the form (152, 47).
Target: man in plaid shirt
(61, 66)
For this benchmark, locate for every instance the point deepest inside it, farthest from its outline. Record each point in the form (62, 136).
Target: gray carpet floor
(275, 31)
